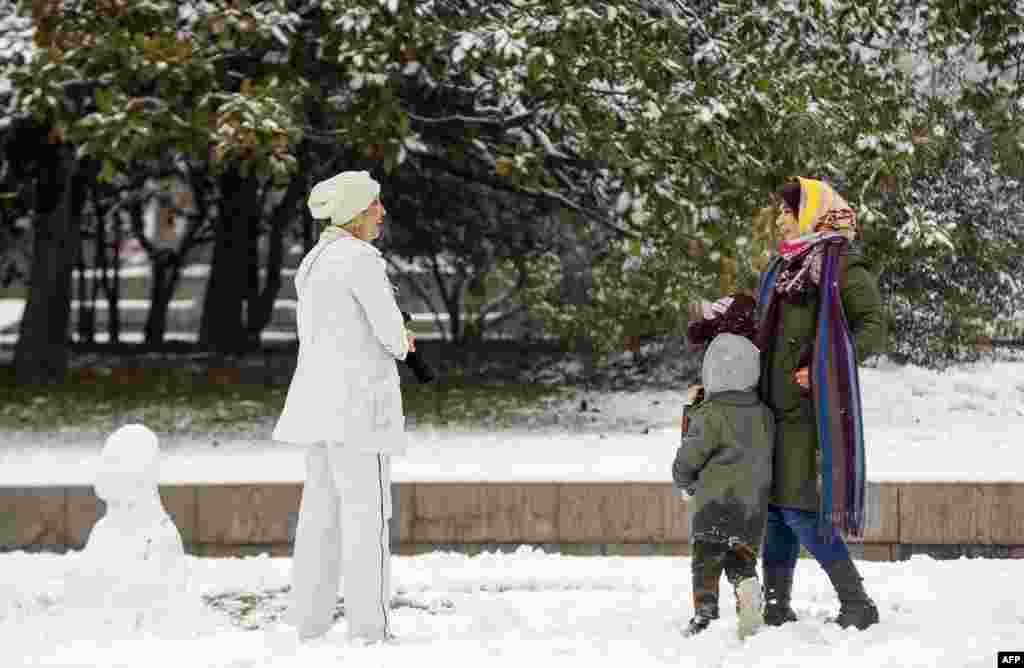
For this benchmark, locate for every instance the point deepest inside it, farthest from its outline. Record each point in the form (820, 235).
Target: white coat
(345, 387)
(345, 402)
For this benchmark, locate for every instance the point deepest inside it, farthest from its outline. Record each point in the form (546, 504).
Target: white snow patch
(962, 425)
(11, 311)
(531, 608)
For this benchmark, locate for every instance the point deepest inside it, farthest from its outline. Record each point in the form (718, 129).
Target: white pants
(343, 524)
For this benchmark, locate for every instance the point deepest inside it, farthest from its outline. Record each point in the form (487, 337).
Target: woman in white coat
(345, 403)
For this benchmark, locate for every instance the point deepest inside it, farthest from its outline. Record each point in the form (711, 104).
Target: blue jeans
(787, 530)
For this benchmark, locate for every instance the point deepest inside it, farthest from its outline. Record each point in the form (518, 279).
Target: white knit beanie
(343, 196)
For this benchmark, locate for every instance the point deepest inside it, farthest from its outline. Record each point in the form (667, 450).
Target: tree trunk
(42, 352)
(576, 287)
(167, 265)
(252, 282)
(86, 310)
(449, 297)
(222, 325)
(114, 288)
(261, 310)
(166, 270)
(101, 279)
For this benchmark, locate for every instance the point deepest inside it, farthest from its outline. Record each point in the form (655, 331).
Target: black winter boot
(855, 608)
(700, 621)
(778, 587)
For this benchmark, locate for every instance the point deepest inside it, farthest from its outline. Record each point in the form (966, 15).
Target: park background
(563, 180)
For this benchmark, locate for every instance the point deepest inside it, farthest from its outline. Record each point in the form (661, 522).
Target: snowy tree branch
(504, 297)
(538, 193)
(459, 119)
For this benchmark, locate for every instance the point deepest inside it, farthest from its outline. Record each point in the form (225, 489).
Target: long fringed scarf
(835, 386)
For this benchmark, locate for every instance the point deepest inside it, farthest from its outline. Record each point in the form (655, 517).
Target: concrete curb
(584, 518)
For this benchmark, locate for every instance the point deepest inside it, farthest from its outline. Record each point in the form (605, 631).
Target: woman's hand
(412, 342)
(802, 376)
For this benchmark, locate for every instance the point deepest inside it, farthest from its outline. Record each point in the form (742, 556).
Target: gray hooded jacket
(726, 453)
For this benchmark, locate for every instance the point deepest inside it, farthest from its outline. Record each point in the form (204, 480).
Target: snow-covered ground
(527, 608)
(964, 424)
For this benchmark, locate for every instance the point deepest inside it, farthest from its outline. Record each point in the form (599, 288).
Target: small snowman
(133, 570)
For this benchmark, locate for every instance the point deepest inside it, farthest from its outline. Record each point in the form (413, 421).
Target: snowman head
(129, 467)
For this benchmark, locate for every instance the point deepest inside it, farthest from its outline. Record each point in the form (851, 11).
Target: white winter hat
(343, 196)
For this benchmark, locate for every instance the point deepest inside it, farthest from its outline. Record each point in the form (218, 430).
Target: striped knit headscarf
(819, 208)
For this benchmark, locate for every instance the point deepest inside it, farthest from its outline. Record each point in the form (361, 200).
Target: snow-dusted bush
(952, 262)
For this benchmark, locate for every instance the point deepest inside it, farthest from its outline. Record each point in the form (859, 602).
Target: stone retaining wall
(617, 518)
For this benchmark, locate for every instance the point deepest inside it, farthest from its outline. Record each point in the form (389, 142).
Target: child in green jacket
(724, 463)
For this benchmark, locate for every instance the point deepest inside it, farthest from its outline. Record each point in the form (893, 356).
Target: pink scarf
(789, 249)
(802, 258)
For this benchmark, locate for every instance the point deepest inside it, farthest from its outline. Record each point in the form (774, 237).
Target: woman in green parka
(819, 316)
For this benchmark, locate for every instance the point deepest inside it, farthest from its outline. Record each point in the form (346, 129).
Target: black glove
(422, 370)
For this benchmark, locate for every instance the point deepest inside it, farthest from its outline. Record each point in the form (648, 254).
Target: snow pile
(963, 424)
(896, 395)
(512, 609)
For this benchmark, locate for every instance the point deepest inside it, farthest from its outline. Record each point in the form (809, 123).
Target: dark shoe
(705, 600)
(856, 609)
(857, 615)
(698, 624)
(705, 610)
(775, 615)
(778, 586)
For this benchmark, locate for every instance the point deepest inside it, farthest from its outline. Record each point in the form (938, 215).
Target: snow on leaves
(631, 118)
(158, 78)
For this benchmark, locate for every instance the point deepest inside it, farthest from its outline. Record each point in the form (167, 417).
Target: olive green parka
(797, 461)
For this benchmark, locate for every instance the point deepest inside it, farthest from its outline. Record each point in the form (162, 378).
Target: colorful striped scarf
(835, 388)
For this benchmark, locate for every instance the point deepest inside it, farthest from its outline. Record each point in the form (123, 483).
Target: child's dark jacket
(726, 452)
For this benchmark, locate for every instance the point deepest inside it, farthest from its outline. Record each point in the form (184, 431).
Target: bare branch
(323, 136)
(503, 123)
(505, 296)
(540, 194)
(453, 315)
(506, 315)
(421, 291)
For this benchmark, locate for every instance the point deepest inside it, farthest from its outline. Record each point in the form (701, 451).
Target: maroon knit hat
(733, 315)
